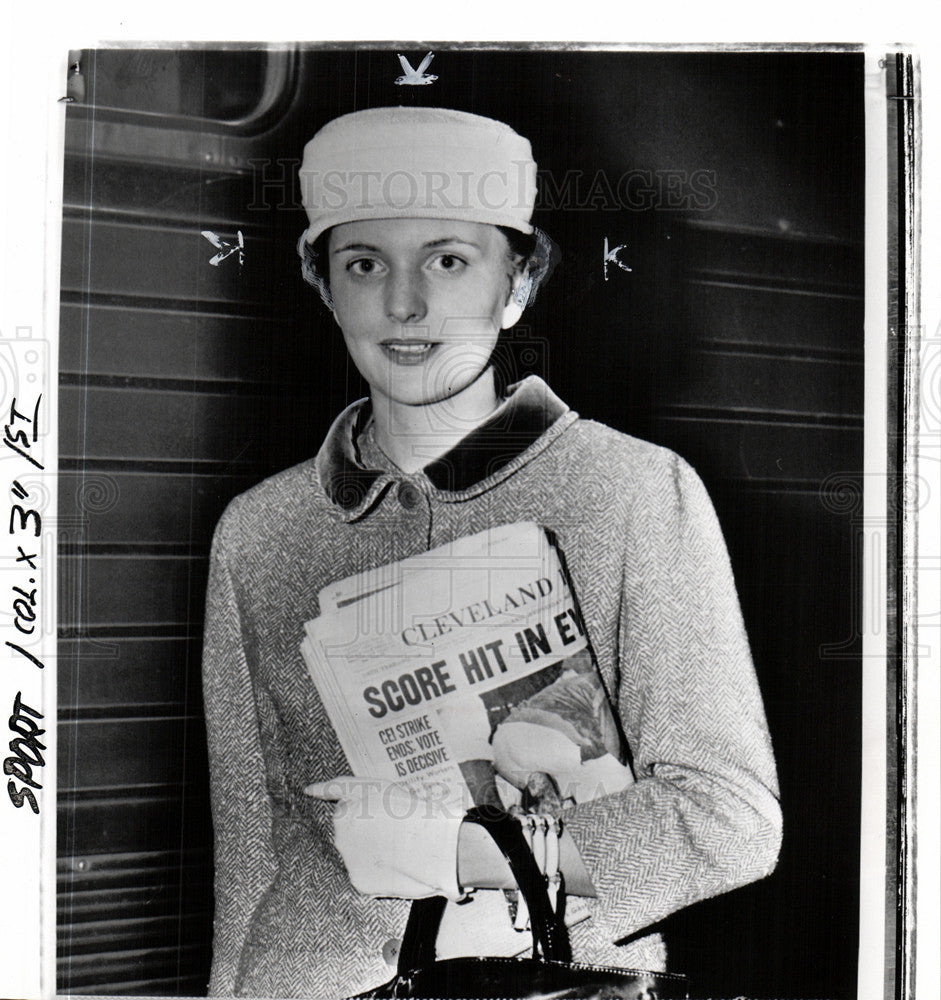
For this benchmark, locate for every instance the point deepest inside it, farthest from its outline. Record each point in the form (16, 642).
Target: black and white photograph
(463, 524)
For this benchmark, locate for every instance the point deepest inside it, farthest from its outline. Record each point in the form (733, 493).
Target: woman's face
(419, 302)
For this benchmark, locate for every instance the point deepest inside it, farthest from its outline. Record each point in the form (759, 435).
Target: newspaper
(429, 664)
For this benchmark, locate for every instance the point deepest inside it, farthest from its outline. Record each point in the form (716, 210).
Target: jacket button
(409, 496)
(390, 951)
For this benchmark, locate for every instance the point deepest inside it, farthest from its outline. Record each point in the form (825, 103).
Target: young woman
(421, 244)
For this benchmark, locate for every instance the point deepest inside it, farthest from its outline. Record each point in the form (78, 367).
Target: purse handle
(549, 938)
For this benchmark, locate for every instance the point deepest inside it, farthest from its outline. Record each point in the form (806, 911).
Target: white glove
(394, 840)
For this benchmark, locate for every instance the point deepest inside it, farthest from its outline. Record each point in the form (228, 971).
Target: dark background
(736, 339)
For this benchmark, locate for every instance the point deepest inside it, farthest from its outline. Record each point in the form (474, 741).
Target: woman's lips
(408, 352)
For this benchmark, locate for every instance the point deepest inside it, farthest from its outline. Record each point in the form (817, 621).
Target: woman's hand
(395, 840)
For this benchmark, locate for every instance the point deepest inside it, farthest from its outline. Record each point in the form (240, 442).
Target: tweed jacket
(649, 567)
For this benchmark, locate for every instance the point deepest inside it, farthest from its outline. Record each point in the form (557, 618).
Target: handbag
(549, 973)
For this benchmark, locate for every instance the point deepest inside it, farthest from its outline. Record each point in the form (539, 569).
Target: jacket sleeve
(241, 806)
(703, 816)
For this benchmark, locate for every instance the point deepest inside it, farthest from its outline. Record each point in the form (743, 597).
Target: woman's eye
(448, 262)
(364, 267)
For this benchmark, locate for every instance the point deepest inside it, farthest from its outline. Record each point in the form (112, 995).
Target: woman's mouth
(408, 352)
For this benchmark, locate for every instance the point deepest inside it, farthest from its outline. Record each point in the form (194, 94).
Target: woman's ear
(520, 287)
(512, 312)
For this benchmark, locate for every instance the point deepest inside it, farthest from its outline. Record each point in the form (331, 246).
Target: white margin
(872, 847)
(55, 76)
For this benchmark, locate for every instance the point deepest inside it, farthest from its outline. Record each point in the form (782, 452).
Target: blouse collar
(354, 473)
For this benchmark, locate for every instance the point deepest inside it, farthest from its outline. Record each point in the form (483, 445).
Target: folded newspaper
(430, 666)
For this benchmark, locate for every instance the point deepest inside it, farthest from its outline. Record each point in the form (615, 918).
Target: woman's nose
(405, 300)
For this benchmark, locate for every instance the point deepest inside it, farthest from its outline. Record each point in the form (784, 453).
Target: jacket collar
(354, 475)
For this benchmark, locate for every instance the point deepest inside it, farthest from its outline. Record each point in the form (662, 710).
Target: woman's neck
(414, 436)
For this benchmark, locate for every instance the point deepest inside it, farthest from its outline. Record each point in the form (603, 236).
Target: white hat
(386, 163)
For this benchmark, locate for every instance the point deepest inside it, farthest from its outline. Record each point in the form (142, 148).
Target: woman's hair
(312, 255)
(536, 253)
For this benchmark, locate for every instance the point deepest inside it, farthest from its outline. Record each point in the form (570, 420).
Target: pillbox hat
(436, 163)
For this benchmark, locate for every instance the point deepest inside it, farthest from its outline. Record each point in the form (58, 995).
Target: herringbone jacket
(649, 567)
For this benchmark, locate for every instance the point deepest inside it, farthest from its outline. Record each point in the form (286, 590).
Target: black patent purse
(549, 973)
